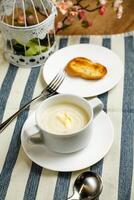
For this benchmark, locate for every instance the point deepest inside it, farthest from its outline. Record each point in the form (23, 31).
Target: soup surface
(64, 118)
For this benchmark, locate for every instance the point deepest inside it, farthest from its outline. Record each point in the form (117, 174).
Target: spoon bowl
(87, 186)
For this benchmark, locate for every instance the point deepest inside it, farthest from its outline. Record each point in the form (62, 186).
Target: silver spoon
(87, 186)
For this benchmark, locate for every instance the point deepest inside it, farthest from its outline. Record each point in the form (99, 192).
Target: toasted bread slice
(85, 68)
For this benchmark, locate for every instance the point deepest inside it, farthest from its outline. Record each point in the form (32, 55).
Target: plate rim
(90, 45)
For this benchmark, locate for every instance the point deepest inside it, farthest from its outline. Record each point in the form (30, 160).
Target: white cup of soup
(64, 123)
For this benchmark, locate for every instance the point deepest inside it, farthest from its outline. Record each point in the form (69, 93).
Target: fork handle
(10, 119)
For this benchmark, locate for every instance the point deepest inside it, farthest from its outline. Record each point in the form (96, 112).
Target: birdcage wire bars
(28, 31)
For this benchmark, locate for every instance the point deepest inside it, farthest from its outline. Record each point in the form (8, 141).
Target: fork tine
(56, 82)
(53, 81)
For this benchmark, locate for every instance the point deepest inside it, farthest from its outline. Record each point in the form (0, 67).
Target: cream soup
(64, 118)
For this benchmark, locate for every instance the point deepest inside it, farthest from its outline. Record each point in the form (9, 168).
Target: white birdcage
(28, 31)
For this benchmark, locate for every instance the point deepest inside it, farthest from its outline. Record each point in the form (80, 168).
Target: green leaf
(66, 26)
(85, 24)
(34, 48)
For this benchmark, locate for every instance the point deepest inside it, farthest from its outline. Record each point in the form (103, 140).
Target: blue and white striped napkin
(20, 178)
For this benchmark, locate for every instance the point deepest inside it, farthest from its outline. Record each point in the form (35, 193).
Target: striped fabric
(20, 179)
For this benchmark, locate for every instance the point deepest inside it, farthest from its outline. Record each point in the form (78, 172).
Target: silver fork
(48, 91)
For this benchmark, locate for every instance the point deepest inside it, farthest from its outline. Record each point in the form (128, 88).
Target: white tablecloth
(21, 178)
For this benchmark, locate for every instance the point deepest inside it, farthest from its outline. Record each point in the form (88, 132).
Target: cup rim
(63, 135)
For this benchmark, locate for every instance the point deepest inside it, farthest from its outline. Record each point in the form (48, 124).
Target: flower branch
(72, 11)
(86, 7)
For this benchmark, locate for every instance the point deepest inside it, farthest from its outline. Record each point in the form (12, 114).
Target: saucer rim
(66, 170)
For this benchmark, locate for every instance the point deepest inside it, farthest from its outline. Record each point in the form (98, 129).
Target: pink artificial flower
(82, 14)
(119, 11)
(118, 7)
(73, 13)
(59, 25)
(64, 6)
(76, 8)
(102, 10)
(102, 2)
(117, 3)
(70, 20)
(90, 23)
(21, 17)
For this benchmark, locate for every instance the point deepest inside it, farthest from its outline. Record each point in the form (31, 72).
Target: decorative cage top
(25, 13)
(28, 30)
(23, 20)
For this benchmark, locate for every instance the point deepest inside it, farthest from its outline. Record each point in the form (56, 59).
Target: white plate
(101, 140)
(78, 86)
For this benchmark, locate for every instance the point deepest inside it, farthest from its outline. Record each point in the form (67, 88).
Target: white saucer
(78, 86)
(101, 140)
